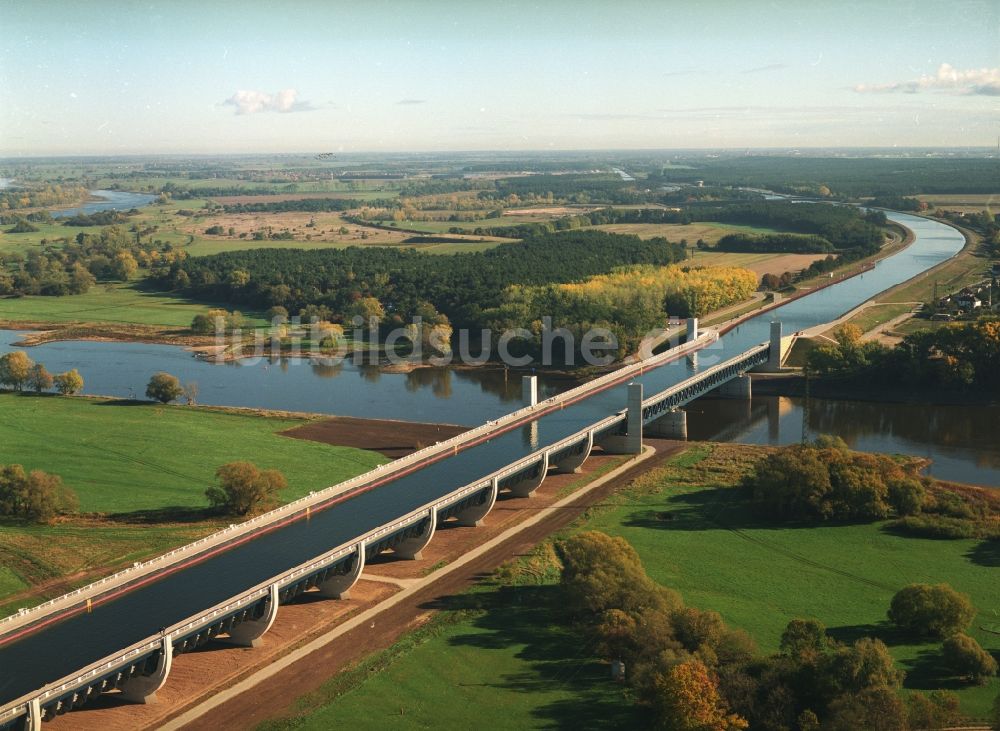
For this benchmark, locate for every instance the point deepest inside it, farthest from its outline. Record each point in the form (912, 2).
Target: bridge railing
(750, 356)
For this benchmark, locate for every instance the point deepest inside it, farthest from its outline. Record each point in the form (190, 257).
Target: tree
(244, 488)
(967, 659)
(923, 610)
(804, 638)
(124, 266)
(191, 393)
(36, 496)
(68, 383)
(688, 699)
(935, 710)
(15, 369)
(203, 324)
(601, 572)
(164, 388)
(865, 664)
(873, 709)
(276, 315)
(39, 379)
(366, 308)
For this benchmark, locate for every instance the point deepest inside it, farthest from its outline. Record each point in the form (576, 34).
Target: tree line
(629, 302)
(403, 281)
(958, 357)
(74, 266)
(20, 372)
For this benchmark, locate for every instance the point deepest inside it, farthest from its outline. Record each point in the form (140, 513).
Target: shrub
(940, 526)
(827, 482)
(923, 610)
(966, 659)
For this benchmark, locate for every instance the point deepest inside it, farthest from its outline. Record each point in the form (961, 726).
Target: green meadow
(117, 302)
(143, 468)
(502, 646)
(123, 457)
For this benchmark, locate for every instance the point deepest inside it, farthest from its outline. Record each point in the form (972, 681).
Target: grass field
(964, 202)
(120, 457)
(112, 303)
(146, 466)
(709, 232)
(504, 652)
(495, 658)
(759, 576)
(758, 263)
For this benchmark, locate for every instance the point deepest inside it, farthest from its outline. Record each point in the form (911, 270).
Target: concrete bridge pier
(249, 632)
(738, 388)
(631, 442)
(692, 329)
(529, 390)
(32, 720)
(575, 462)
(142, 688)
(472, 517)
(339, 587)
(412, 548)
(773, 364)
(672, 425)
(528, 486)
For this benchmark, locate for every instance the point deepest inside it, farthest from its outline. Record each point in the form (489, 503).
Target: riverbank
(393, 439)
(844, 389)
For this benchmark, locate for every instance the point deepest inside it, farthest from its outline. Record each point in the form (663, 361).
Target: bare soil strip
(394, 439)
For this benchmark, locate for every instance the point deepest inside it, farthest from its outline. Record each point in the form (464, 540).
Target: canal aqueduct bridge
(122, 632)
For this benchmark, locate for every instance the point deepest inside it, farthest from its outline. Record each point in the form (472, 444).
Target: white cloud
(252, 102)
(983, 82)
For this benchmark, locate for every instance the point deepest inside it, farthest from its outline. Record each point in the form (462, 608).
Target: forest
(403, 280)
(629, 302)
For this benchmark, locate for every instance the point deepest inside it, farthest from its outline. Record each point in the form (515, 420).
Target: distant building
(699, 183)
(967, 301)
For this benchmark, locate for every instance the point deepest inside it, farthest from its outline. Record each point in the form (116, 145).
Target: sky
(95, 77)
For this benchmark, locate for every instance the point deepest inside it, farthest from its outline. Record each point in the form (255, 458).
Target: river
(960, 441)
(118, 200)
(472, 396)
